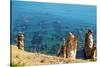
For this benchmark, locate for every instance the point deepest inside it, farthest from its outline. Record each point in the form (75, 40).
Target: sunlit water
(45, 24)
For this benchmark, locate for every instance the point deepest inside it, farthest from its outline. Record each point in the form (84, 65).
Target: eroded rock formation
(90, 48)
(63, 49)
(20, 40)
(69, 48)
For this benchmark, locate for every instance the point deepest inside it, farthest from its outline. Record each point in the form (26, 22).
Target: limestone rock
(20, 40)
(71, 46)
(90, 49)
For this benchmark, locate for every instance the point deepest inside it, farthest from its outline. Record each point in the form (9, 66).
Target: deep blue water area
(45, 24)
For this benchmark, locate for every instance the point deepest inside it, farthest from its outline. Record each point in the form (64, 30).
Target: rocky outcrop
(94, 52)
(90, 48)
(20, 41)
(69, 48)
(62, 52)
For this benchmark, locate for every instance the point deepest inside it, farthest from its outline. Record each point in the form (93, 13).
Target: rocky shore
(23, 58)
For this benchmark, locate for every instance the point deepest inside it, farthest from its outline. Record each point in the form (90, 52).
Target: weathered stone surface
(94, 52)
(71, 46)
(90, 49)
(62, 51)
(20, 40)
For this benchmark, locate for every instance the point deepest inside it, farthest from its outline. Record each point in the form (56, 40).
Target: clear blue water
(45, 24)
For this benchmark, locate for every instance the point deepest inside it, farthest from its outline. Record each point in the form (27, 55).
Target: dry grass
(20, 57)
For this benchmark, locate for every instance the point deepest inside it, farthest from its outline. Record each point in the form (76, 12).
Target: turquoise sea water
(45, 24)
